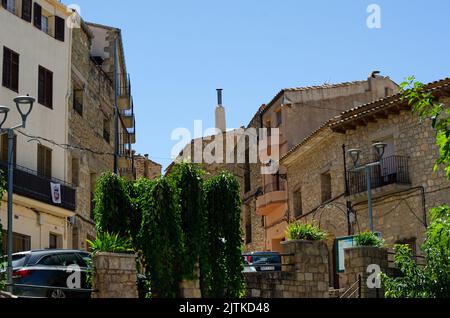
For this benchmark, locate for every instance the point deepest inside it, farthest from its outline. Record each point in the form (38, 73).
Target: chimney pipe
(219, 96)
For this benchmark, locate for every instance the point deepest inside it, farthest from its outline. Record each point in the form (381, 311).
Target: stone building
(91, 127)
(146, 168)
(324, 188)
(297, 112)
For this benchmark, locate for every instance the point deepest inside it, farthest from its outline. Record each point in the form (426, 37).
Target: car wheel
(56, 293)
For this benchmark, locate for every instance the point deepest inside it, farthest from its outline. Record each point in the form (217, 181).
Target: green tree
(432, 281)
(112, 205)
(161, 237)
(188, 180)
(223, 277)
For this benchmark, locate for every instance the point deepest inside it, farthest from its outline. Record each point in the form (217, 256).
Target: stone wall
(146, 168)
(357, 261)
(114, 276)
(305, 277)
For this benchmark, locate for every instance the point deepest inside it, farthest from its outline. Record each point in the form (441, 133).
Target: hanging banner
(55, 189)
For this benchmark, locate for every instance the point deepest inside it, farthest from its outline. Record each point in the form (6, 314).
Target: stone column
(357, 262)
(191, 288)
(114, 276)
(310, 266)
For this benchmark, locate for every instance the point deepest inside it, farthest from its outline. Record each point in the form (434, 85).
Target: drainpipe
(349, 204)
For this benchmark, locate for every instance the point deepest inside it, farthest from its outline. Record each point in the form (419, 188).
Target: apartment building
(323, 186)
(35, 60)
(97, 55)
(146, 168)
(296, 112)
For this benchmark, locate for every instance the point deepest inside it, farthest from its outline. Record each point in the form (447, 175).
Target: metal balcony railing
(30, 184)
(392, 170)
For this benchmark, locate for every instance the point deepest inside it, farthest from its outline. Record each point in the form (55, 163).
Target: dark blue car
(262, 262)
(51, 274)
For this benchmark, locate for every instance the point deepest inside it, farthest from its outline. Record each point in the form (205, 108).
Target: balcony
(273, 198)
(127, 119)
(392, 175)
(124, 95)
(29, 184)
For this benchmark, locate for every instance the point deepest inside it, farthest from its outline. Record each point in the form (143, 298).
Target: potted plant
(304, 232)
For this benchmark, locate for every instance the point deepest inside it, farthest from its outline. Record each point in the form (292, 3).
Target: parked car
(262, 262)
(50, 270)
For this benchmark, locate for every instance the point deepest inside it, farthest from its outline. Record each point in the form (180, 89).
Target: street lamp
(355, 154)
(24, 105)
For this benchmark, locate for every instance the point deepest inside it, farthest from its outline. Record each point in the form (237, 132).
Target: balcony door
(44, 161)
(388, 164)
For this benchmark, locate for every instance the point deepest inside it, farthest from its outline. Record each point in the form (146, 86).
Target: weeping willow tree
(223, 272)
(160, 237)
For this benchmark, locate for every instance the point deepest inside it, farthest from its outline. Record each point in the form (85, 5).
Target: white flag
(56, 192)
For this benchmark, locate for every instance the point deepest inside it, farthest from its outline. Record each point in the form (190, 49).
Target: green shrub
(304, 231)
(110, 243)
(368, 239)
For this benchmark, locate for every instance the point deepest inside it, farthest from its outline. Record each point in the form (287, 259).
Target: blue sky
(179, 52)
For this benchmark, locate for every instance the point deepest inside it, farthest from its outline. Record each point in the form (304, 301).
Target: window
(45, 89)
(21, 243)
(44, 24)
(55, 241)
(279, 118)
(59, 28)
(51, 260)
(10, 70)
(10, 5)
(75, 171)
(4, 149)
(26, 10)
(298, 204)
(106, 129)
(325, 180)
(78, 95)
(44, 161)
(37, 15)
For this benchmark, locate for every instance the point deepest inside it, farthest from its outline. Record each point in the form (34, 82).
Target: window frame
(45, 92)
(11, 61)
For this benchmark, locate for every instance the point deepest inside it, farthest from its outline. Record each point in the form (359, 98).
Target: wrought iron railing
(391, 170)
(30, 184)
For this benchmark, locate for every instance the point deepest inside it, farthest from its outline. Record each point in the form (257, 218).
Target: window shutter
(26, 10)
(49, 89)
(6, 67)
(15, 72)
(4, 156)
(48, 163)
(37, 16)
(40, 160)
(59, 28)
(41, 86)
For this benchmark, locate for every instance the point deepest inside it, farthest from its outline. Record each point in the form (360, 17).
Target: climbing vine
(161, 237)
(112, 205)
(188, 181)
(223, 273)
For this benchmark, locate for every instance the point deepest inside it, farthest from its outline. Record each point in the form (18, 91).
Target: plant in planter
(304, 231)
(111, 243)
(368, 239)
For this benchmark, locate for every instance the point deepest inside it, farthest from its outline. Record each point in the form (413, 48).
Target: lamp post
(24, 105)
(355, 155)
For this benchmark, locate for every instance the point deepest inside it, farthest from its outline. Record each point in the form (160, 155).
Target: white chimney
(220, 113)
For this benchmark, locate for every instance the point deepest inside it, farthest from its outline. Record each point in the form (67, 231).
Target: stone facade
(146, 168)
(86, 131)
(400, 209)
(114, 276)
(305, 276)
(357, 262)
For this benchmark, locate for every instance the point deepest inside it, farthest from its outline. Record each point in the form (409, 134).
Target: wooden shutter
(26, 10)
(6, 67)
(4, 155)
(37, 16)
(48, 162)
(59, 28)
(44, 163)
(41, 86)
(15, 72)
(48, 89)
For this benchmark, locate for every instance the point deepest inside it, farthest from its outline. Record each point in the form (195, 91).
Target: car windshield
(266, 259)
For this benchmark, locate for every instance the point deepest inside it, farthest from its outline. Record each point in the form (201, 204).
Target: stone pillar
(310, 267)
(191, 288)
(114, 276)
(357, 261)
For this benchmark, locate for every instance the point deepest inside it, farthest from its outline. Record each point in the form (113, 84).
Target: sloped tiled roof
(367, 109)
